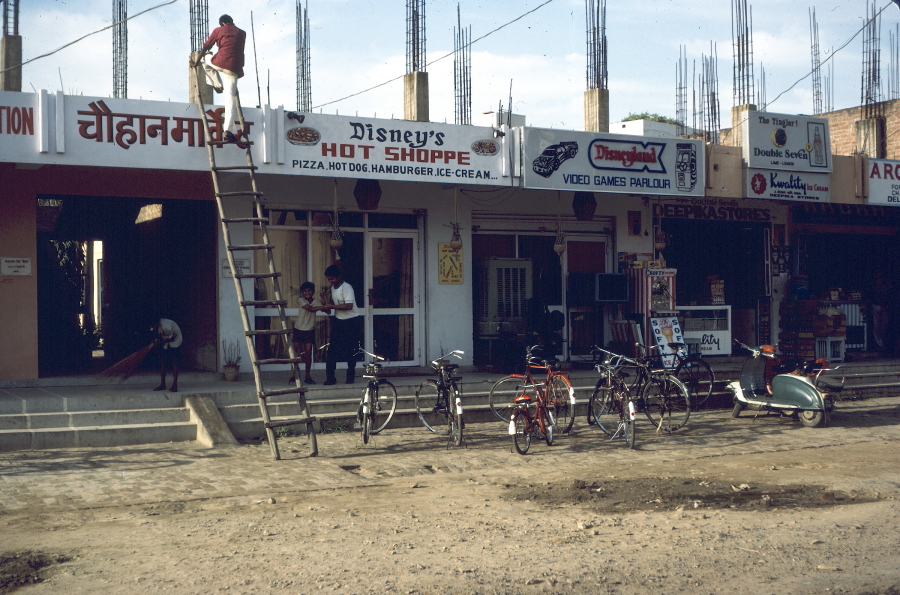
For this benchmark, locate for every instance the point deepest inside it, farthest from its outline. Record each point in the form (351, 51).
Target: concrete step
(83, 419)
(97, 436)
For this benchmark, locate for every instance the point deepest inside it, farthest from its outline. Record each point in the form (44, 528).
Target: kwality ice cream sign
(785, 185)
(619, 163)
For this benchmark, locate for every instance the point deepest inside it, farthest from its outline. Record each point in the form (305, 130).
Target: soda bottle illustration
(818, 152)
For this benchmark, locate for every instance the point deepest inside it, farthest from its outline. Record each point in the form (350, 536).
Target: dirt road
(727, 506)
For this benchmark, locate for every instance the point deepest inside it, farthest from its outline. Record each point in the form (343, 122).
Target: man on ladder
(224, 70)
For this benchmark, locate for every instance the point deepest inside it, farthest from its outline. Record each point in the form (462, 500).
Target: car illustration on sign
(552, 157)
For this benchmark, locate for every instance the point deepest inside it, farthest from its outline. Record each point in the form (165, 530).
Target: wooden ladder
(285, 332)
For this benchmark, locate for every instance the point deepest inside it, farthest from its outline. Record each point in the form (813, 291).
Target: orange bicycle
(555, 389)
(531, 417)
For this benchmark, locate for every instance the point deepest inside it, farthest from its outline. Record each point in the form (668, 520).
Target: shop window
(493, 246)
(393, 221)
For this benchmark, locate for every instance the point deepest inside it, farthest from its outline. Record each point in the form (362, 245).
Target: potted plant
(232, 360)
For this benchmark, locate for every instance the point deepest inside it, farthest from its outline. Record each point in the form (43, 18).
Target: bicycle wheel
(456, 415)
(698, 377)
(433, 408)
(628, 425)
(604, 408)
(561, 395)
(365, 416)
(666, 402)
(503, 393)
(549, 425)
(383, 405)
(520, 434)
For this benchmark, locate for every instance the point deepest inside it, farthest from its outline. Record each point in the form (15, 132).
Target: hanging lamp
(336, 235)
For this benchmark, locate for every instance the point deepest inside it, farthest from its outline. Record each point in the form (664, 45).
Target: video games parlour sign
(619, 163)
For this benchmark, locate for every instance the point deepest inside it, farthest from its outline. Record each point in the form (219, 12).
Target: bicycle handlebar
(375, 358)
(457, 353)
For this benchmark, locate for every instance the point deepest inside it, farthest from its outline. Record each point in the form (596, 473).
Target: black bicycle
(656, 391)
(379, 400)
(438, 402)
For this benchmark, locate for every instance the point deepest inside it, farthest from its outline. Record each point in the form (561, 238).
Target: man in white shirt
(344, 325)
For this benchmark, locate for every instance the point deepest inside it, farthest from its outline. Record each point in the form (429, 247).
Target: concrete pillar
(197, 77)
(11, 55)
(870, 137)
(415, 97)
(738, 116)
(596, 110)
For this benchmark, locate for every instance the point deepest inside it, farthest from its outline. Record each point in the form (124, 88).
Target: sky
(534, 52)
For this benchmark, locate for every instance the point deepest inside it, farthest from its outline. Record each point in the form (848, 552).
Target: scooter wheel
(812, 419)
(738, 407)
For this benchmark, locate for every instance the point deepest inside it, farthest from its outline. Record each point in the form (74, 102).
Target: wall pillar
(11, 55)
(596, 110)
(415, 97)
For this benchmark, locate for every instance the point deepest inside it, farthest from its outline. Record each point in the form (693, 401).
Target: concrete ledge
(211, 428)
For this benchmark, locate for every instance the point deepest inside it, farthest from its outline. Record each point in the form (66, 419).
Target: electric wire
(134, 16)
(473, 42)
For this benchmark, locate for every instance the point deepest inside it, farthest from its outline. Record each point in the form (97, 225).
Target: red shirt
(230, 41)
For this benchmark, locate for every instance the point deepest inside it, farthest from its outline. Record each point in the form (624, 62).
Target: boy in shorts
(305, 328)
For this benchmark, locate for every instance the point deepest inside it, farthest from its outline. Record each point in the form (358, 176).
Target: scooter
(793, 388)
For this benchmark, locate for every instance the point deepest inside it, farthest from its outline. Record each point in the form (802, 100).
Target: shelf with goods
(812, 329)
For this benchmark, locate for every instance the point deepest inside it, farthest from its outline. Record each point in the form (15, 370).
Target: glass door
(393, 290)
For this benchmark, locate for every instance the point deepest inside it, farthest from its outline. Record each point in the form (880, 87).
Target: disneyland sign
(785, 142)
(600, 162)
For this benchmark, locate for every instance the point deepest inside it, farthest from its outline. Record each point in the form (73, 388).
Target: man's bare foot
(160, 387)
(174, 388)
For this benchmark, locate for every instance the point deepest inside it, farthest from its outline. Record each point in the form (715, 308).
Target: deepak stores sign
(620, 163)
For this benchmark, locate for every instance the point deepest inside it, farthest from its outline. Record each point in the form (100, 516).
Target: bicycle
(523, 424)
(438, 402)
(555, 389)
(663, 398)
(611, 404)
(694, 372)
(379, 400)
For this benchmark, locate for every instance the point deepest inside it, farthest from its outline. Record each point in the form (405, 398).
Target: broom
(125, 368)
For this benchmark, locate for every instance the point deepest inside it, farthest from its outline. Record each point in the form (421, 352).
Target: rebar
(816, 64)
(120, 48)
(304, 81)
(199, 23)
(595, 13)
(742, 43)
(11, 17)
(415, 36)
(462, 72)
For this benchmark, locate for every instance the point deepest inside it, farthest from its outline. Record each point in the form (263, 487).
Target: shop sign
(666, 330)
(339, 146)
(782, 185)
(619, 163)
(884, 182)
(53, 128)
(711, 209)
(15, 267)
(786, 142)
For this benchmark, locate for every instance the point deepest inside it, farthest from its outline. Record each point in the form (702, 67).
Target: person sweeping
(170, 338)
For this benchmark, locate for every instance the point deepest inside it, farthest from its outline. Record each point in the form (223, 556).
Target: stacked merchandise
(716, 290)
(797, 338)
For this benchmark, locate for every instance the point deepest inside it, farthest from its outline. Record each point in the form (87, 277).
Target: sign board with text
(783, 185)
(620, 163)
(884, 182)
(786, 142)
